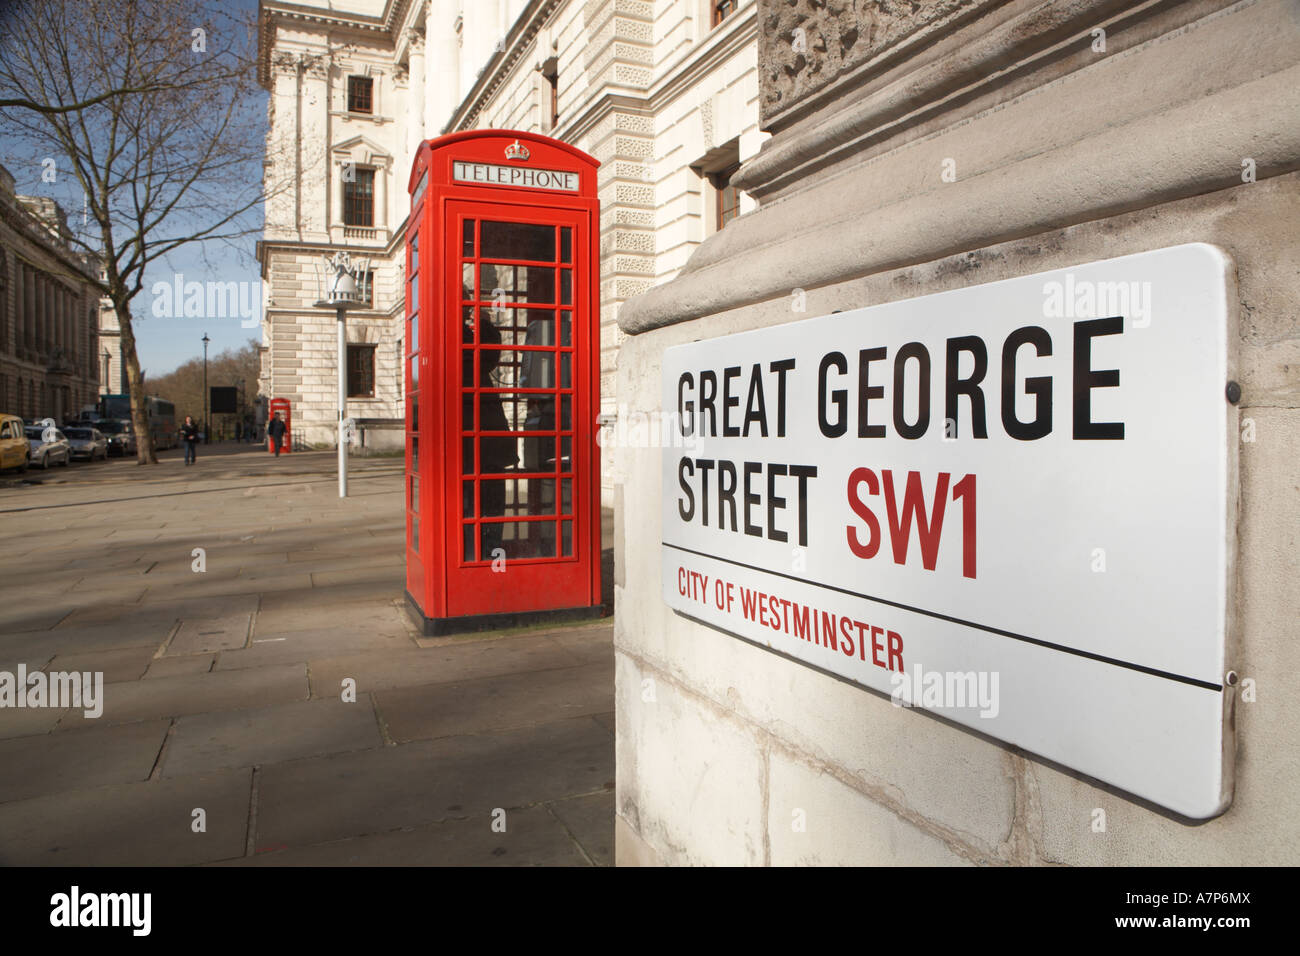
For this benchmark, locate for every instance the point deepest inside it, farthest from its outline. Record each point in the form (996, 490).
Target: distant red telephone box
(502, 382)
(281, 407)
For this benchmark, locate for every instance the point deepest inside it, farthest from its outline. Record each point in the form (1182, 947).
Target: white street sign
(1012, 504)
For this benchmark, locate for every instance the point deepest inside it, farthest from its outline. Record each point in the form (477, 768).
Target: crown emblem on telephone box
(516, 150)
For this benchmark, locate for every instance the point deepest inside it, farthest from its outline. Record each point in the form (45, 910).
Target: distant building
(665, 95)
(49, 311)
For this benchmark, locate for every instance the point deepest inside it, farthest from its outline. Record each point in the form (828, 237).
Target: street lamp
(342, 285)
(206, 430)
(108, 368)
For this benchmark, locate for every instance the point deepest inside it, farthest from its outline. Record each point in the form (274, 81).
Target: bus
(162, 416)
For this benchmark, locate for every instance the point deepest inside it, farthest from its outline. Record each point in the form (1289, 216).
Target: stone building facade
(665, 94)
(49, 312)
(927, 147)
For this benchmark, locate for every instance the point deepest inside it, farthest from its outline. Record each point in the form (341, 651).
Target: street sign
(1011, 504)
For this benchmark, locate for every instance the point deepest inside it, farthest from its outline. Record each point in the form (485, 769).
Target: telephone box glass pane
(510, 368)
(415, 294)
(519, 539)
(467, 456)
(566, 287)
(467, 499)
(566, 534)
(501, 284)
(415, 252)
(518, 240)
(415, 535)
(415, 371)
(566, 244)
(467, 239)
(469, 542)
(414, 501)
(525, 326)
(513, 497)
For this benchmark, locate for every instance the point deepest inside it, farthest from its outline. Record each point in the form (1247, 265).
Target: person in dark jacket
(190, 435)
(276, 430)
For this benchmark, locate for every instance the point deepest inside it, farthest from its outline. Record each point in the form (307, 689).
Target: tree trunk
(144, 450)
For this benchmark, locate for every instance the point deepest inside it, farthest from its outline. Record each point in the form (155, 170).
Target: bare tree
(153, 106)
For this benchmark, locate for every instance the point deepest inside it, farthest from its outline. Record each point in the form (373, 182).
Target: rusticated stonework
(805, 44)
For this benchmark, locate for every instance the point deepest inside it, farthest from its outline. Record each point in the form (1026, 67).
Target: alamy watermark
(179, 299)
(1086, 299)
(75, 909)
(946, 690)
(57, 689)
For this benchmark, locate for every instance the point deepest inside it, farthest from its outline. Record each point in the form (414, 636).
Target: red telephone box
(280, 406)
(502, 382)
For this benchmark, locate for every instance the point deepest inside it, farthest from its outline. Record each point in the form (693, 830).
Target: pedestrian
(190, 435)
(276, 430)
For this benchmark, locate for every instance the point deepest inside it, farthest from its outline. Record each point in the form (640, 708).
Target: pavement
(277, 707)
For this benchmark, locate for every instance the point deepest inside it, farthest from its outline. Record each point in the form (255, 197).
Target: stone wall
(1063, 153)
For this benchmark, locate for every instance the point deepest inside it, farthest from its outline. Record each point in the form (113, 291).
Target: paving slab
(180, 666)
(45, 645)
(217, 587)
(138, 824)
(243, 738)
(79, 759)
(310, 614)
(28, 721)
(532, 837)
(208, 635)
(199, 693)
(313, 801)
(439, 665)
(594, 644)
(590, 819)
(309, 645)
(116, 664)
(496, 703)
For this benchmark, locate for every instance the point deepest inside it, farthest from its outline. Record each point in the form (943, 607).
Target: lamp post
(108, 368)
(206, 430)
(342, 291)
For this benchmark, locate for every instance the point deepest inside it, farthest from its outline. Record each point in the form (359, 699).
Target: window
(361, 94)
(550, 70)
(728, 196)
(721, 10)
(367, 290)
(359, 198)
(361, 371)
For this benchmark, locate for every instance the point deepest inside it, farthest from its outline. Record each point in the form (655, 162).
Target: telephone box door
(524, 366)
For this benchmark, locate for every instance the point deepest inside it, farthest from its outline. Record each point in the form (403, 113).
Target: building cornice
(19, 219)
(272, 13)
(501, 64)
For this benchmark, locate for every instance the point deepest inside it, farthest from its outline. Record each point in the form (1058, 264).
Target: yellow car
(14, 450)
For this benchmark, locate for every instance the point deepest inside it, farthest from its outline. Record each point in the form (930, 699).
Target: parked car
(120, 435)
(14, 452)
(48, 446)
(88, 443)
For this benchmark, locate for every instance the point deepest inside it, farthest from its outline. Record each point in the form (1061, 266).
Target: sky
(164, 342)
